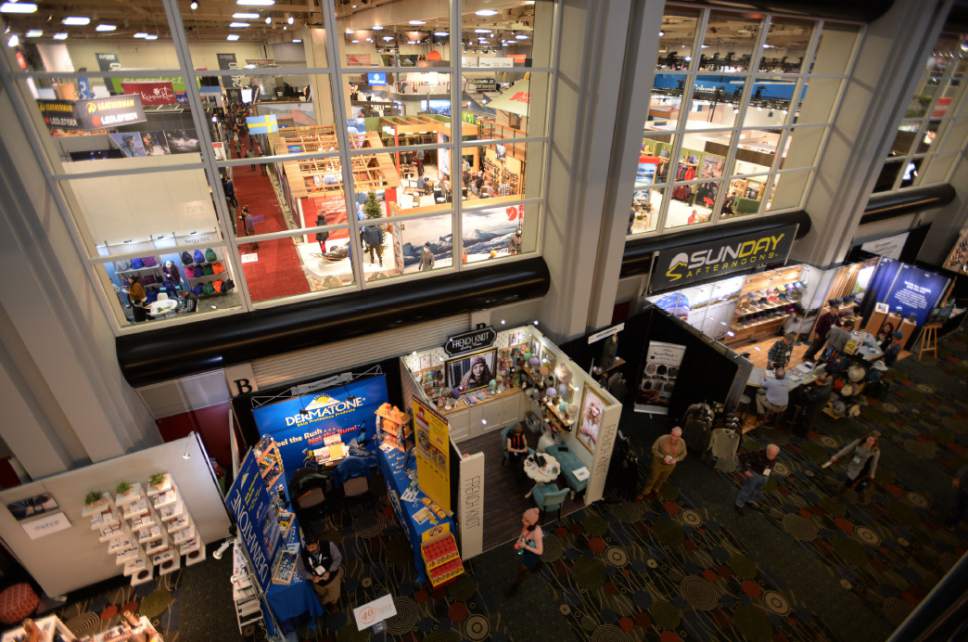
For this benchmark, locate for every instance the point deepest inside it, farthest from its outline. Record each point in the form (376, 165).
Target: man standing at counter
(667, 451)
(781, 351)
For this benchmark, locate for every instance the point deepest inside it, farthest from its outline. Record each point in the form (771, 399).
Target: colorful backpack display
(122, 266)
(197, 290)
(229, 285)
(137, 264)
(209, 289)
(150, 261)
(186, 258)
(198, 256)
(208, 270)
(217, 286)
(210, 255)
(189, 271)
(218, 268)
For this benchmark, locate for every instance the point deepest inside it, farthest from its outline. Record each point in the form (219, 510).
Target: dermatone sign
(299, 424)
(681, 266)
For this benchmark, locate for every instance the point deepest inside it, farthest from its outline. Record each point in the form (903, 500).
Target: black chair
(309, 491)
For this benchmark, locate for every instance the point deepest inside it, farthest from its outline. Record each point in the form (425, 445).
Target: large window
(935, 125)
(219, 157)
(739, 110)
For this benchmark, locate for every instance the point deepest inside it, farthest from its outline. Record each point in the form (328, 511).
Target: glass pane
(67, 36)
(834, 49)
(728, 42)
(715, 102)
(786, 45)
(496, 232)
(744, 196)
(238, 37)
(887, 176)
(159, 285)
(408, 182)
(944, 105)
(756, 150)
(676, 38)
(381, 94)
(702, 156)
(788, 190)
(654, 159)
(904, 138)
(504, 104)
(936, 169)
(312, 262)
(644, 214)
(500, 172)
(665, 101)
(800, 147)
(955, 137)
(174, 206)
(691, 203)
(816, 101)
(911, 171)
(425, 243)
(497, 33)
(769, 102)
(129, 118)
(410, 33)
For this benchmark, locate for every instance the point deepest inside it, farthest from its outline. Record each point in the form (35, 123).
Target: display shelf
(166, 485)
(101, 506)
(104, 520)
(134, 566)
(179, 524)
(133, 494)
(136, 510)
(557, 414)
(740, 312)
(51, 628)
(196, 556)
(755, 324)
(139, 270)
(440, 555)
(165, 499)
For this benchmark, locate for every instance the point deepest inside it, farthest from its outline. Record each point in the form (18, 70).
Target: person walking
(757, 465)
(781, 351)
(529, 547)
(323, 235)
(426, 258)
(667, 451)
(372, 236)
(821, 330)
(248, 224)
(864, 456)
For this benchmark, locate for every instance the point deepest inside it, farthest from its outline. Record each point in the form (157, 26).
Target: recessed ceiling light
(442, 34)
(482, 31)
(486, 13)
(13, 40)
(245, 15)
(103, 27)
(377, 27)
(238, 25)
(60, 36)
(297, 41)
(232, 36)
(387, 38)
(18, 7)
(290, 20)
(418, 22)
(76, 21)
(140, 34)
(356, 42)
(348, 30)
(35, 33)
(521, 36)
(151, 36)
(255, 3)
(193, 5)
(268, 20)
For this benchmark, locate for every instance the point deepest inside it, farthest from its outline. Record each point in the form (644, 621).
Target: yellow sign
(432, 435)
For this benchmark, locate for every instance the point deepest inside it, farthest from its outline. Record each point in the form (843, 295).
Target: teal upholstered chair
(549, 498)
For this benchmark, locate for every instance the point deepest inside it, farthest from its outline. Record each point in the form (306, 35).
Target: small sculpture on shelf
(492, 386)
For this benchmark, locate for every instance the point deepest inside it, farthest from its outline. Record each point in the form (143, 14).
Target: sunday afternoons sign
(685, 265)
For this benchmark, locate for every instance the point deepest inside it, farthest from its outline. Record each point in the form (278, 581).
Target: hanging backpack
(190, 272)
(209, 289)
(217, 285)
(229, 286)
(137, 264)
(218, 268)
(197, 290)
(198, 256)
(122, 266)
(186, 258)
(210, 255)
(208, 270)
(150, 261)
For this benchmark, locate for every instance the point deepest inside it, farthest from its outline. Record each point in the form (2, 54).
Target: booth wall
(74, 558)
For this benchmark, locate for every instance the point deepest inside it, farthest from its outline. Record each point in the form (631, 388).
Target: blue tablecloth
(393, 466)
(296, 600)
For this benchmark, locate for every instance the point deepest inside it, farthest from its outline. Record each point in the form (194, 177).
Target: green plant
(92, 497)
(372, 206)
(122, 488)
(156, 479)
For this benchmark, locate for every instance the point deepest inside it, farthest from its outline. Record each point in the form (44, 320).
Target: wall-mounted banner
(299, 424)
(685, 265)
(152, 92)
(470, 341)
(914, 292)
(249, 502)
(659, 377)
(108, 61)
(58, 114)
(432, 436)
(109, 112)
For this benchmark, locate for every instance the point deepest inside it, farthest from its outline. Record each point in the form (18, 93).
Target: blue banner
(249, 502)
(300, 424)
(914, 292)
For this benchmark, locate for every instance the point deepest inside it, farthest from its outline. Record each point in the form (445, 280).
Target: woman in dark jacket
(171, 279)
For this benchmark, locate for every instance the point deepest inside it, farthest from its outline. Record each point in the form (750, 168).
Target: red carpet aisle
(278, 272)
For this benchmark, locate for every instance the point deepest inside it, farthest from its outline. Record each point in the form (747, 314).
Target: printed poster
(250, 505)
(659, 376)
(432, 436)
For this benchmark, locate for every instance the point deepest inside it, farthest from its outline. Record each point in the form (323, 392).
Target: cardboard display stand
(72, 558)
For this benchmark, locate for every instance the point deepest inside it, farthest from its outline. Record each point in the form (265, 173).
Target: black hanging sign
(684, 265)
(470, 341)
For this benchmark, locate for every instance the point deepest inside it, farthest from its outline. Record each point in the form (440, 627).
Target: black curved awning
(168, 353)
(857, 10)
(884, 206)
(637, 258)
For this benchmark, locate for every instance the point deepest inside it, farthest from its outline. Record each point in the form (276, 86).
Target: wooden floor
(505, 487)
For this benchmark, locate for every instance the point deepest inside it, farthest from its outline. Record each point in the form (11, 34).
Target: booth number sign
(470, 341)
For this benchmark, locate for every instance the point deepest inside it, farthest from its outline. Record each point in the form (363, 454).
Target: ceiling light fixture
(60, 36)
(482, 31)
(105, 28)
(349, 31)
(417, 23)
(238, 25)
(255, 3)
(245, 15)
(193, 5)
(297, 41)
(35, 33)
(18, 7)
(521, 36)
(151, 36)
(13, 41)
(387, 38)
(290, 20)
(268, 20)
(485, 13)
(355, 42)
(140, 34)
(76, 21)
(442, 34)
(232, 37)
(377, 27)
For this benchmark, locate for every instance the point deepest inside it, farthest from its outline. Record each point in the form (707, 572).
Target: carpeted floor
(807, 566)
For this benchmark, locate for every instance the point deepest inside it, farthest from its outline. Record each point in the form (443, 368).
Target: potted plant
(92, 498)
(157, 479)
(122, 488)
(372, 206)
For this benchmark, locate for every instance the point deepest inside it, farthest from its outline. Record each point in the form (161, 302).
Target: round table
(162, 307)
(542, 474)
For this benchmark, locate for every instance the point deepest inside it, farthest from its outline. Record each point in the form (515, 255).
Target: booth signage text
(58, 114)
(470, 341)
(682, 266)
(432, 434)
(109, 112)
(248, 501)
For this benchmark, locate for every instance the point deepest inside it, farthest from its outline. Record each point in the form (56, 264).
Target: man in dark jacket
(812, 400)
(324, 564)
(757, 465)
(824, 323)
(373, 239)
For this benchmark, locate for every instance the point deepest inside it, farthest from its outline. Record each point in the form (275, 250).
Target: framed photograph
(590, 418)
(32, 506)
(472, 371)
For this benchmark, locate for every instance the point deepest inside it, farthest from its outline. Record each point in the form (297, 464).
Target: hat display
(880, 365)
(856, 373)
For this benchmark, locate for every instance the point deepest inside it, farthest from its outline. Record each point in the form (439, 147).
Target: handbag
(122, 266)
(229, 285)
(197, 290)
(190, 272)
(217, 286)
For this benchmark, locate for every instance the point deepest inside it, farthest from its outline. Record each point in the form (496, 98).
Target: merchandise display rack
(245, 597)
(441, 557)
(49, 626)
(147, 527)
(394, 425)
(270, 461)
(754, 320)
